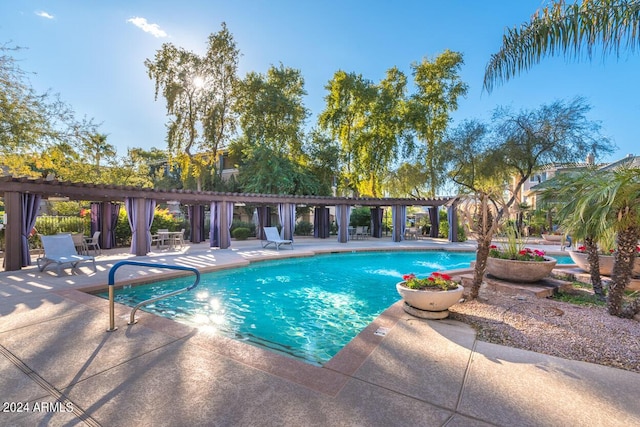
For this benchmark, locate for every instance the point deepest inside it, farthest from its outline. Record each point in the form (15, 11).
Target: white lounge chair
(273, 238)
(60, 249)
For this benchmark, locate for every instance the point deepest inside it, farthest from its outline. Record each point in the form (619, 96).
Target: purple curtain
(196, 222)
(96, 219)
(30, 206)
(111, 221)
(376, 222)
(399, 218)
(214, 225)
(287, 216)
(435, 221)
(104, 218)
(321, 228)
(133, 214)
(264, 220)
(229, 219)
(343, 225)
(452, 217)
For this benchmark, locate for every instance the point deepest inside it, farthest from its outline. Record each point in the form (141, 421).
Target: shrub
(241, 233)
(241, 224)
(304, 228)
(360, 216)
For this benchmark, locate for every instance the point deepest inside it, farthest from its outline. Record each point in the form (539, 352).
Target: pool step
(541, 289)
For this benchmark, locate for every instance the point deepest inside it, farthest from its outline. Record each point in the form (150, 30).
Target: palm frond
(611, 25)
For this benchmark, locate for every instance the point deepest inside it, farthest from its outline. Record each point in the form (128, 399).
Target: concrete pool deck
(60, 366)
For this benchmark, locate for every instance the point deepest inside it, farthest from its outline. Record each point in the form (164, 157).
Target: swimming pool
(308, 308)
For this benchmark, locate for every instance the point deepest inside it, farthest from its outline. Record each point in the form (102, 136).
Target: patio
(54, 348)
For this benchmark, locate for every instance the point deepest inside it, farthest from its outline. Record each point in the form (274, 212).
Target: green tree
(385, 128)
(95, 148)
(272, 112)
(484, 164)
(408, 180)
(347, 105)
(611, 25)
(438, 88)
(269, 172)
(199, 94)
(322, 155)
(607, 200)
(578, 215)
(33, 124)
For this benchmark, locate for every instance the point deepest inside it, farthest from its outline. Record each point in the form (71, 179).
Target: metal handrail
(112, 274)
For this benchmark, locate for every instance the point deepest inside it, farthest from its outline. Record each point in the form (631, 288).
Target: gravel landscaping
(570, 331)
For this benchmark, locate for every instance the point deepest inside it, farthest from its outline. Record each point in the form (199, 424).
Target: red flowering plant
(435, 282)
(583, 249)
(524, 254)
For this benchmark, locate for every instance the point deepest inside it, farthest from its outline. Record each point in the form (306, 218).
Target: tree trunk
(624, 257)
(594, 266)
(484, 227)
(481, 266)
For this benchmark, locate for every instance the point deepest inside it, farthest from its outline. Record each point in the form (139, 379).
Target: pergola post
(12, 234)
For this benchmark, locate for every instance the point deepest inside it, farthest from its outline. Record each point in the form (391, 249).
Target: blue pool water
(307, 308)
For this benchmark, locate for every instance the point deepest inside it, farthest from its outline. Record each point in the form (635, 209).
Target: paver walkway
(59, 365)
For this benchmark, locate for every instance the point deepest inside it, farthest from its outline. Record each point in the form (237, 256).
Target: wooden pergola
(17, 190)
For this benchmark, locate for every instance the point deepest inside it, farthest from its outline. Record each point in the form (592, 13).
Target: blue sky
(92, 52)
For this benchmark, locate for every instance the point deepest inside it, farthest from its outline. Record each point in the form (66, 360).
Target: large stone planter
(605, 262)
(429, 304)
(520, 271)
(555, 238)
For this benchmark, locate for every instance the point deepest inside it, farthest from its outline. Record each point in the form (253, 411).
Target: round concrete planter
(520, 271)
(429, 300)
(605, 262)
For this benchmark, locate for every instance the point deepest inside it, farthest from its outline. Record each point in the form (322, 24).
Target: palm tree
(608, 200)
(577, 215)
(570, 29)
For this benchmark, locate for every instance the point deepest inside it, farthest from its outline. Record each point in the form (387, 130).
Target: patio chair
(273, 238)
(93, 243)
(60, 250)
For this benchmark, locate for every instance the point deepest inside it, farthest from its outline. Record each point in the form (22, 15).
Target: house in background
(529, 194)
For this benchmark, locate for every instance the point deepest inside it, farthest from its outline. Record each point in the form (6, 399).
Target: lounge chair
(273, 238)
(60, 249)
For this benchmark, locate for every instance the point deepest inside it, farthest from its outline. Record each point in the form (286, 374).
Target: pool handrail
(111, 283)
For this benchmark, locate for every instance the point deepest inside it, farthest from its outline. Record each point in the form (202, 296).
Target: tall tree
(347, 105)
(199, 94)
(95, 148)
(611, 25)
(271, 109)
(272, 116)
(601, 202)
(31, 123)
(577, 215)
(438, 88)
(385, 128)
(520, 143)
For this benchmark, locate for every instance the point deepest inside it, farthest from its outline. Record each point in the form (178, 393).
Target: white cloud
(44, 14)
(153, 29)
